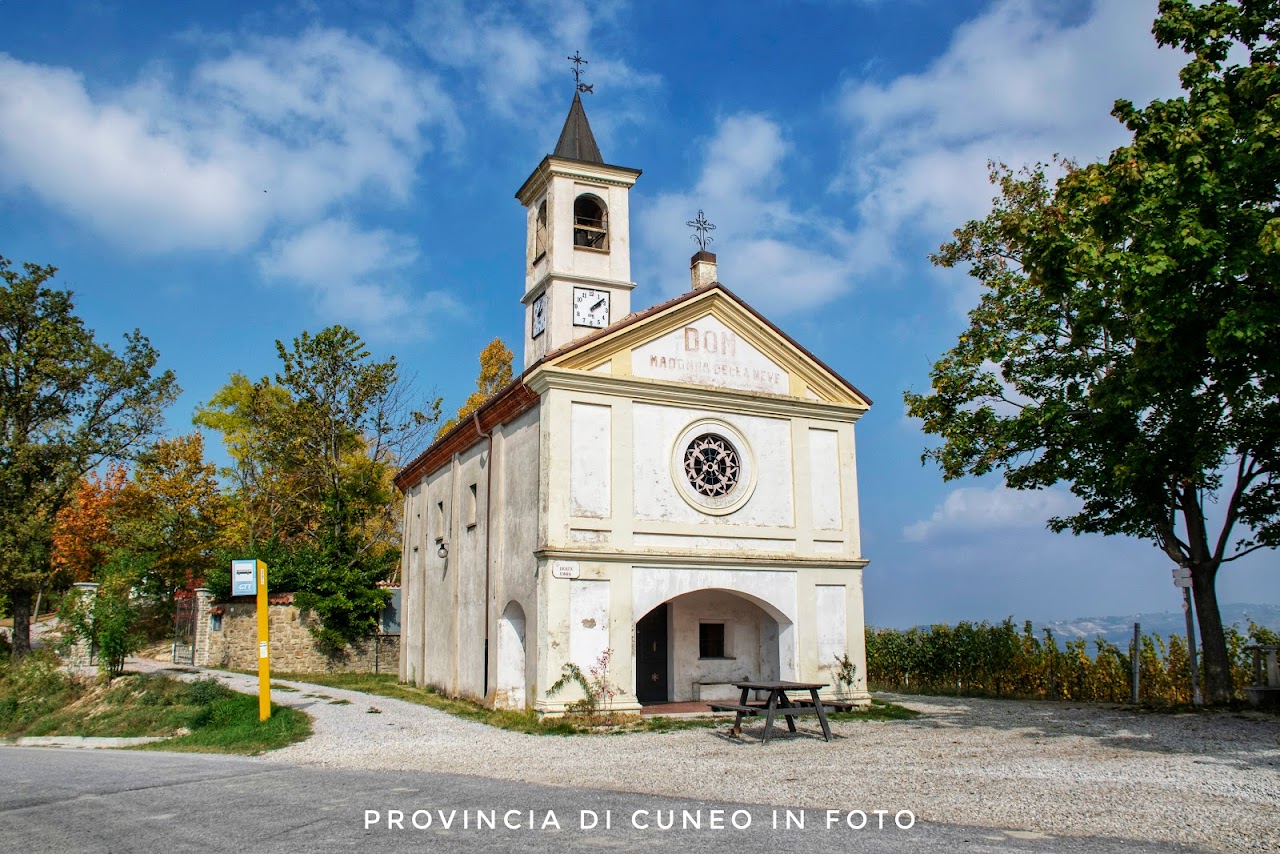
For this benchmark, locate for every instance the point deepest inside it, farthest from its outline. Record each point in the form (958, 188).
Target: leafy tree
(67, 404)
(111, 620)
(173, 511)
(270, 500)
(315, 449)
(495, 375)
(1126, 339)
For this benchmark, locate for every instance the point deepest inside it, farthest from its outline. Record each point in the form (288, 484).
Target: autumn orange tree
(495, 375)
(83, 536)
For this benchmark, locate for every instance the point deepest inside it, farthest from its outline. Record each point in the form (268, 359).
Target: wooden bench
(790, 711)
(699, 687)
(829, 704)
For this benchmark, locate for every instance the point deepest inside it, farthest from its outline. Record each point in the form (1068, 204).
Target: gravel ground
(1058, 769)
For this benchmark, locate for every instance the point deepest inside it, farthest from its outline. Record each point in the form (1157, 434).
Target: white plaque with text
(565, 569)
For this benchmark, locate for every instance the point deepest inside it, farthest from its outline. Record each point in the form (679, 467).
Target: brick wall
(227, 637)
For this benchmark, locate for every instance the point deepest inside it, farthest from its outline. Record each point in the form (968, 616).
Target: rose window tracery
(712, 465)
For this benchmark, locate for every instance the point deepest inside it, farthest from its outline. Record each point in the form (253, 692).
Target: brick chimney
(702, 268)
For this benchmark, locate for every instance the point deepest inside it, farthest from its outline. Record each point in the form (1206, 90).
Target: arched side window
(540, 232)
(590, 222)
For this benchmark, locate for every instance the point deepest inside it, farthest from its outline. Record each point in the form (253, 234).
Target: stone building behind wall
(676, 486)
(227, 637)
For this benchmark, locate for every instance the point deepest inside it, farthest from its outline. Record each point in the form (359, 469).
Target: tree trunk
(1219, 688)
(20, 604)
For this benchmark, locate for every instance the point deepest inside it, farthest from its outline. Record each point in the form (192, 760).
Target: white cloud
(1015, 85)
(275, 131)
(512, 53)
(777, 257)
(355, 277)
(979, 510)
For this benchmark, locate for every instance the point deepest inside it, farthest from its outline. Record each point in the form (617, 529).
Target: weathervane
(701, 226)
(578, 62)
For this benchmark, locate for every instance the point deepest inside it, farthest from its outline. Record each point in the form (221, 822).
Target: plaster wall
(751, 645)
(707, 352)
(656, 497)
(517, 509)
(412, 558)
(447, 614)
(589, 457)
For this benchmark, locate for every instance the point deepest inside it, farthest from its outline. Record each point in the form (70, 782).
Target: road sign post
(264, 646)
(249, 578)
(1182, 580)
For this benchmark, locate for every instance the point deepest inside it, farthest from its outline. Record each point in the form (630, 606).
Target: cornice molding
(670, 558)
(545, 378)
(573, 279)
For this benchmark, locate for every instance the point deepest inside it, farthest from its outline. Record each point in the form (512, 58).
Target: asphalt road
(65, 801)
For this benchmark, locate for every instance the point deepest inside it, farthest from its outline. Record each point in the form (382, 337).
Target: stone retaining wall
(227, 637)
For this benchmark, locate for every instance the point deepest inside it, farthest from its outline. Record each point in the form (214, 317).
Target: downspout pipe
(488, 533)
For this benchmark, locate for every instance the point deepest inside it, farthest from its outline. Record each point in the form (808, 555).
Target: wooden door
(651, 657)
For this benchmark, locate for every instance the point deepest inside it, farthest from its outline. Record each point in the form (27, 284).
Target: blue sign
(244, 578)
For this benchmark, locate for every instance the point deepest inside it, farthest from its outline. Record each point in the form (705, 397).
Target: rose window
(712, 465)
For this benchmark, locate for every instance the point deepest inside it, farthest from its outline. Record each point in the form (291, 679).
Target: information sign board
(244, 578)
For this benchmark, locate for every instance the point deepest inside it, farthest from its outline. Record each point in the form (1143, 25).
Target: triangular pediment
(712, 339)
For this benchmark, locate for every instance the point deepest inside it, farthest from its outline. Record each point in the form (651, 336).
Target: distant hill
(1119, 629)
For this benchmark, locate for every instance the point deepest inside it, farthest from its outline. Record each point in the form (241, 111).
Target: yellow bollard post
(264, 647)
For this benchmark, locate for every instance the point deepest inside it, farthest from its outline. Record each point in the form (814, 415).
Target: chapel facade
(673, 490)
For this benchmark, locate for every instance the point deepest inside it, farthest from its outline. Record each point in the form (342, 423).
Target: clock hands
(597, 305)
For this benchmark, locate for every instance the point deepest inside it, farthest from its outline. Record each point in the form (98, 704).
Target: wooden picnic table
(777, 704)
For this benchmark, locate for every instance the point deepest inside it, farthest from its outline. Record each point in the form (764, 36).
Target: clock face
(590, 308)
(539, 315)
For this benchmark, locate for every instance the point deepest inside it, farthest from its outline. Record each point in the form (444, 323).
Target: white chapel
(675, 485)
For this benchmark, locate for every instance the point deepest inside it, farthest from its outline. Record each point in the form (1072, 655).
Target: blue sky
(221, 175)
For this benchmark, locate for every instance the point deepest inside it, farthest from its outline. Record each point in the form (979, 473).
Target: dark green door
(651, 656)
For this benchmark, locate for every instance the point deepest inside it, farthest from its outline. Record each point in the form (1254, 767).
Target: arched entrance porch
(694, 646)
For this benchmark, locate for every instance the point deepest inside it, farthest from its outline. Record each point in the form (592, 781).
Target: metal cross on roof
(578, 62)
(701, 226)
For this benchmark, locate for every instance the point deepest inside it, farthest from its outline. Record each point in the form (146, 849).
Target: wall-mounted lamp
(443, 551)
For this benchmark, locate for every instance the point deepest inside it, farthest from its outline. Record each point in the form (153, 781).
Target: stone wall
(80, 652)
(227, 637)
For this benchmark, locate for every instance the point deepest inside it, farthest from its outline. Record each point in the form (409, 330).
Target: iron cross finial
(701, 226)
(578, 62)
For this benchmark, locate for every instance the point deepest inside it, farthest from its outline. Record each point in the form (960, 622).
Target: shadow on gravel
(1222, 738)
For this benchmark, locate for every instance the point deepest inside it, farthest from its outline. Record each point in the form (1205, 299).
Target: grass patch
(659, 723)
(388, 685)
(275, 687)
(879, 710)
(230, 725)
(205, 716)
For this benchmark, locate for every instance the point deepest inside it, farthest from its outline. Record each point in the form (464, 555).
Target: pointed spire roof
(576, 140)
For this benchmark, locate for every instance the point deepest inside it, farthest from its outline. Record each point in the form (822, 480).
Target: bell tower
(578, 246)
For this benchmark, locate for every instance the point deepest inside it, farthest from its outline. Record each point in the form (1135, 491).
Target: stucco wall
(445, 607)
(751, 645)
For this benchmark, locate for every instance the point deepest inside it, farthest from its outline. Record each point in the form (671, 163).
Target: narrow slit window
(540, 232)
